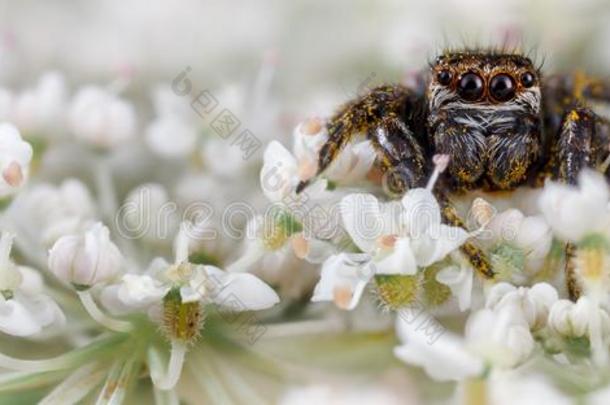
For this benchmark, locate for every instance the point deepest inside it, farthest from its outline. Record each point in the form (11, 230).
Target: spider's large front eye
(502, 87)
(470, 87)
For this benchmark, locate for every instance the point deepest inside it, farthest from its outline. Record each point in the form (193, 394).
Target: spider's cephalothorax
(500, 122)
(484, 112)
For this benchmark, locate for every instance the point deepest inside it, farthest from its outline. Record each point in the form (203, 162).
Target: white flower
(41, 109)
(395, 238)
(502, 337)
(15, 157)
(534, 302)
(447, 358)
(307, 139)
(196, 283)
(280, 173)
(135, 292)
(282, 170)
(400, 239)
(24, 308)
(171, 137)
(86, 259)
(353, 163)
(531, 234)
(100, 118)
(573, 212)
(583, 318)
(279, 236)
(501, 333)
(573, 319)
(343, 279)
(48, 212)
(497, 336)
(570, 319)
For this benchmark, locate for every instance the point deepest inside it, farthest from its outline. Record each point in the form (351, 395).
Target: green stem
(61, 362)
(167, 381)
(100, 317)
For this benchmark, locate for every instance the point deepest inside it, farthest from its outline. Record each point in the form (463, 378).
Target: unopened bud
(482, 211)
(87, 259)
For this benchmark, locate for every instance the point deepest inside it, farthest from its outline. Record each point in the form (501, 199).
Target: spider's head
(476, 79)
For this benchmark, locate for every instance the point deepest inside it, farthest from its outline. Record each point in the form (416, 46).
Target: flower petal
(421, 211)
(239, 291)
(459, 280)
(343, 279)
(362, 220)
(572, 212)
(437, 242)
(400, 261)
(444, 359)
(278, 177)
(25, 315)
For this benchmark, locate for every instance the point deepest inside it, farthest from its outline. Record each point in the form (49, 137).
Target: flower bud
(87, 259)
(101, 118)
(15, 157)
(570, 319)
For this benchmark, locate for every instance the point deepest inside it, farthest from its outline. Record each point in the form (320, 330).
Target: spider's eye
(528, 79)
(470, 87)
(444, 77)
(502, 87)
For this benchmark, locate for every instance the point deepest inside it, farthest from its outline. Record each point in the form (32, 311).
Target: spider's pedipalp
(400, 157)
(384, 115)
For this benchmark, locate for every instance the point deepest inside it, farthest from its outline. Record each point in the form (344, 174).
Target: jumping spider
(502, 125)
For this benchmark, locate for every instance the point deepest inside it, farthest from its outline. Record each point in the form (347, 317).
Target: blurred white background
(320, 47)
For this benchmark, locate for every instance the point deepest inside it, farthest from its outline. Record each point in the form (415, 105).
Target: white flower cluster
(412, 259)
(103, 256)
(131, 224)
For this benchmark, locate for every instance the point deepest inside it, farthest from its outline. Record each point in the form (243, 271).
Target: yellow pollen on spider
(573, 116)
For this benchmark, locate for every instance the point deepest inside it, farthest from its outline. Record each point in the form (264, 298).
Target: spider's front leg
(577, 146)
(388, 116)
(477, 258)
(582, 142)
